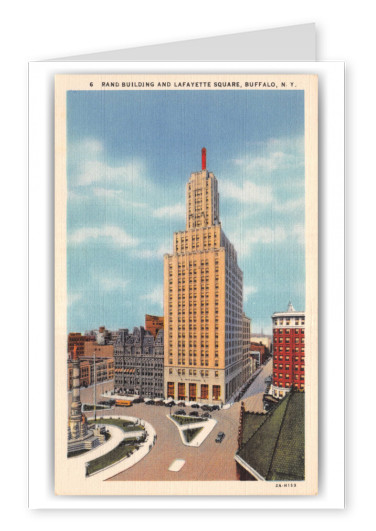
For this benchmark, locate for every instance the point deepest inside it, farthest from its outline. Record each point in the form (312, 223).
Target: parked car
(169, 404)
(197, 406)
(150, 403)
(215, 408)
(180, 412)
(220, 437)
(193, 414)
(159, 403)
(181, 404)
(138, 400)
(205, 407)
(206, 416)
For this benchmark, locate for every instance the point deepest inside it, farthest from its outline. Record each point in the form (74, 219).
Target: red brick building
(101, 351)
(76, 338)
(288, 351)
(259, 347)
(153, 323)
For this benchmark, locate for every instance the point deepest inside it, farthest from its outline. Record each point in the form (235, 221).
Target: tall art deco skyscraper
(203, 302)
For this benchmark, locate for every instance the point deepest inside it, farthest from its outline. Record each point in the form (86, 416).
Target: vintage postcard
(186, 284)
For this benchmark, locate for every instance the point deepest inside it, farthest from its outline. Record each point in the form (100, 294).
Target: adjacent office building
(203, 302)
(139, 363)
(104, 370)
(288, 351)
(248, 362)
(153, 323)
(78, 340)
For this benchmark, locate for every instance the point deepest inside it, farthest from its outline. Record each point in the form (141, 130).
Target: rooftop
(290, 311)
(273, 444)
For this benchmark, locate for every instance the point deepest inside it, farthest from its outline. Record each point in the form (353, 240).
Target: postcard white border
(331, 305)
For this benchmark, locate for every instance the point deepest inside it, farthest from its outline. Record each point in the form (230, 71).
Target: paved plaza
(209, 462)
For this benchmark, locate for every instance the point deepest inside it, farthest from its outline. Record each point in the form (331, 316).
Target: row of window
(287, 358)
(287, 349)
(192, 389)
(287, 321)
(192, 372)
(288, 340)
(288, 330)
(287, 367)
(288, 376)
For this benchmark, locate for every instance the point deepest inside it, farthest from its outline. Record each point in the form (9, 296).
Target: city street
(258, 386)
(209, 462)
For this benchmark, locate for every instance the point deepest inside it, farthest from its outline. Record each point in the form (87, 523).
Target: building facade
(78, 340)
(104, 371)
(100, 351)
(203, 302)
(102, 336)
(264, 340)
(247, 360)
(288, 351)
(259, 347)
(139, 363)
(153, 323)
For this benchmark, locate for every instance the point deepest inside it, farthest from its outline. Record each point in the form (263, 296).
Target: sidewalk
(243, 389)
(117, 435)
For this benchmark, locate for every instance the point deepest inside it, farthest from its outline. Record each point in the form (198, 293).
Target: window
(216, 392)
(192, 391)
(181, 391)
(170, 390)
(204, 391)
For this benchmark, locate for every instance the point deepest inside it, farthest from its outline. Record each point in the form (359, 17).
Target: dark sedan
(220, 437)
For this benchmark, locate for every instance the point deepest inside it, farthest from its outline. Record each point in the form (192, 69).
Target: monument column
(75, 416)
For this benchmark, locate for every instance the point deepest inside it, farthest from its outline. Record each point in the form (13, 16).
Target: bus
(124, 403)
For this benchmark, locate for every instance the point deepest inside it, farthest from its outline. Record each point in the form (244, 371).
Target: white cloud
(298, 232)
(108, 193)
(94, 171)
(74, 196)
(88, 158)
(110, 234)
(245, 241)
(290, 206)
(248, 291)
(248, 192)
(110, 282)
(155, 296)
(266, 235)
(87, 147)
(275, 154)
(176, 211)
(73, 298)
(150, 253)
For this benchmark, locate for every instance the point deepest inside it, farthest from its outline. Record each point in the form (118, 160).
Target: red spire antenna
(203, 158)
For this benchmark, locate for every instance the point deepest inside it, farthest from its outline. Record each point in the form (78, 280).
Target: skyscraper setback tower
(203, 302)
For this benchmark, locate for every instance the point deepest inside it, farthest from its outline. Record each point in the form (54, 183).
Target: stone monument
(80, 437)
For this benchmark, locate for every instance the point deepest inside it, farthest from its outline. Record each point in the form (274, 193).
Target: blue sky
(130, 155)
